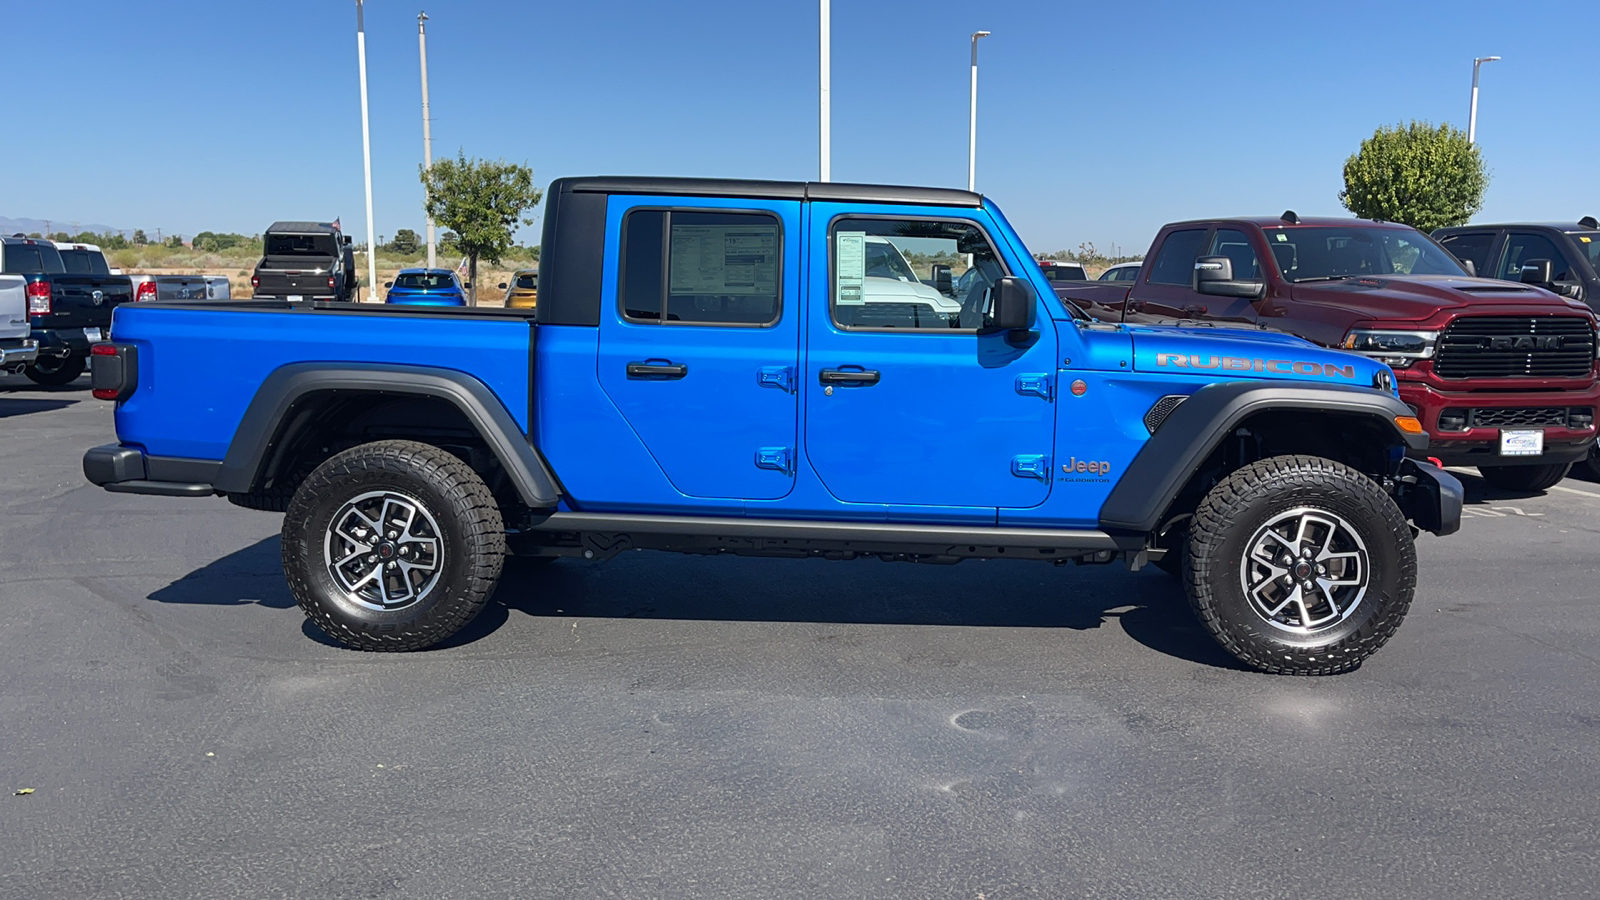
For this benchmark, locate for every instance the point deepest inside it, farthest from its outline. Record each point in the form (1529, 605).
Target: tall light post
(427, 136)
(366, 148)
(972, 126)
(1472, 117)
(824, 98)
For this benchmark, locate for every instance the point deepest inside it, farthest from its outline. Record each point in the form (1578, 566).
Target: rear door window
(1174, 263)
(701, 268)
(1473, 247)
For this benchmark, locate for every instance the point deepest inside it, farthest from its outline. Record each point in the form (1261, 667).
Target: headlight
(1398, 349)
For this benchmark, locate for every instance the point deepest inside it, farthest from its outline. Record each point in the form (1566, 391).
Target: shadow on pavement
(21, 406)
(1148, 606)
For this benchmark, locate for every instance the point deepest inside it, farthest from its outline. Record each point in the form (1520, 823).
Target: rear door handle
(663, 370)
(848, 376)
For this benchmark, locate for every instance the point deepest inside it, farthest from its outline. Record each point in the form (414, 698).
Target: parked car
(523, 291)
(305, 261)
(67, 312)
(1056, 270)
(425, 287)
(627, 418)
(1127, 271)
(1514, 253)
(1502, 375)
(17, 349)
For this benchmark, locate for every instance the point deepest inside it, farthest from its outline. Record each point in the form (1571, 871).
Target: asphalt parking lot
(663, 726)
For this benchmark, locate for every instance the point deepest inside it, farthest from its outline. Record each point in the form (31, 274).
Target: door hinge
(1038, 384)
(778, 459)
(1031, 465)
(780, 377)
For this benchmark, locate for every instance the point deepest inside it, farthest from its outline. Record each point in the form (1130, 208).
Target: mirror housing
(388, 284)
(942, 282)
(1470, 266)
(1538, 271)
(1213, 275)
(466, 284)
(347, 240)
(502, 285)
(1011, 307)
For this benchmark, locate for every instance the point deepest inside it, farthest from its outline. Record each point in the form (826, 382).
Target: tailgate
(85, 301)
(282, 276)
(13, 307)
(180, 287)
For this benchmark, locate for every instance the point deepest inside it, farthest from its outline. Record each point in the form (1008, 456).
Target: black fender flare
(254, 439)
(1189, 433)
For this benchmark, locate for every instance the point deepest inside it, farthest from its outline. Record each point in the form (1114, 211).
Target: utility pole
(824, 96)
(427, 136)
(366, 148)
(1472, 117)
(972, 124)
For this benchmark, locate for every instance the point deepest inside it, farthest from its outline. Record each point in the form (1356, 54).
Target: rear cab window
(84, 262)
(30, 259)
(301, 245)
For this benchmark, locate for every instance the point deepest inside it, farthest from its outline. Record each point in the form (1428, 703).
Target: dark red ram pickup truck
(1502, 375)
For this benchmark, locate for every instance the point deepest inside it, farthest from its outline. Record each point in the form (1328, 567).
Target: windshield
(1328, 254)
(425, 281)
(300, 245)
(884, 261)
(528, 282)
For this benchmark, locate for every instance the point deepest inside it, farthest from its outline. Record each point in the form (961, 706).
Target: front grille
(1163, 408)
(1512, 346)
(1515, 416)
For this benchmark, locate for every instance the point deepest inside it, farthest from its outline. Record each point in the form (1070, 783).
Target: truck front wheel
(1525, 479)
(392, 546)
(1299, 565)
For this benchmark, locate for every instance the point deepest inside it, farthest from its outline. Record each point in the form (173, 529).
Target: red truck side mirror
(1213, 275)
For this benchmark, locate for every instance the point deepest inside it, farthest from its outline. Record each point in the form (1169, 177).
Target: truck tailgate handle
(662, 369)
(848, 376)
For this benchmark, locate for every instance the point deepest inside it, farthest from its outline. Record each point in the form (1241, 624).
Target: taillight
(113, 370)
(330, 282)
(255, 281)
(39, 298)
(146, 291)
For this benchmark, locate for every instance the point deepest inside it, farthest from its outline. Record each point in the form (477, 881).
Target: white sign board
(725, 260)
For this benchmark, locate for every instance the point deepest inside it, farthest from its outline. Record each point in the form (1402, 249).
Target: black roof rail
(1290, 216)
(1589, 222)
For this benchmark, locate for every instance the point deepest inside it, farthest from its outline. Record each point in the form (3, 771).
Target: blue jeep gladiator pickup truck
(719, 367)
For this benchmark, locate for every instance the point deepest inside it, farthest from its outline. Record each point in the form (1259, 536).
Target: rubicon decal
(1246, 364)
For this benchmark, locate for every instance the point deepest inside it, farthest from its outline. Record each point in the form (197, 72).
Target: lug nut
(395, 534)
(1288, 579)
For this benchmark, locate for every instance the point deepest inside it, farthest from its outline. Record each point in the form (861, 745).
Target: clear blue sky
(1098, 122)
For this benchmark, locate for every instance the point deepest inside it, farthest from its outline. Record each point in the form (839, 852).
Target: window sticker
(850, 267)
(1584, 239)
(725, 260)
(1282, 237)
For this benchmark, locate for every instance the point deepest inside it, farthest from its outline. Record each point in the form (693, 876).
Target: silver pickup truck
(17, 349)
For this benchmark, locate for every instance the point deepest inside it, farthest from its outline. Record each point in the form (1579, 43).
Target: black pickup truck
(68, 309)
(305, 261)
(1563, 257)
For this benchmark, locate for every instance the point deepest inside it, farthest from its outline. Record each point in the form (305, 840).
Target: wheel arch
(1283, 417)
(286, 409)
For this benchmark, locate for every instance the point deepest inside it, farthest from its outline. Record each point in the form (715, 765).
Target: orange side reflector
(1408, 424)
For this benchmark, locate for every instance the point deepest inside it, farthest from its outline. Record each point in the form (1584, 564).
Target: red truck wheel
(392, 546)
(1525, 479)
(1300, 565)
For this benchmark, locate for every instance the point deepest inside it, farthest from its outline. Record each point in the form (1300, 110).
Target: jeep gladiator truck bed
(711, 372)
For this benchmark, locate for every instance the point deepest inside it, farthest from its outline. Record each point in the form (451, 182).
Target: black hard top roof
(301, 228)
(829, 191)
(1564, 227)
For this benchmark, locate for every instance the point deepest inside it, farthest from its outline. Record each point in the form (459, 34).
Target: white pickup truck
(17, 349)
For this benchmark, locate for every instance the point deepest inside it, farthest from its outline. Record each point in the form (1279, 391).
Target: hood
(892, 290)
(1420, 296)
(1232, 353)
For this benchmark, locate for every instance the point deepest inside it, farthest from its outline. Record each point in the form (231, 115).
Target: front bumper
(1477, 445)
(1429, 496)
(18, 352)
(127, 470)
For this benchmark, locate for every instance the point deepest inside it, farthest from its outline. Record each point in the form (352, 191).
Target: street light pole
(825, 100)
(1472, 117)
(427, 136)
(366, 148)
(972, 125)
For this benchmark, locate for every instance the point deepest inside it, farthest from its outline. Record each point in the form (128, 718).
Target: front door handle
(848, 376)
(664, 370)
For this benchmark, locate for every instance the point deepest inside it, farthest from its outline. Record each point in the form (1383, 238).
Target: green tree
(35, 235)
(405, 242)
(175, 242)
(1419, 175)
(139, 239)
(482, 201)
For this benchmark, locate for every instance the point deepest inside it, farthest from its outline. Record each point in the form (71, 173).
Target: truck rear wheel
(1523, 479)
(1300, 565)
(55, 371)
(392, 546)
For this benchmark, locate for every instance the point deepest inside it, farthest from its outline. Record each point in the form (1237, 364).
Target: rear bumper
(1477, 445)
(128, 470)
(18, 352)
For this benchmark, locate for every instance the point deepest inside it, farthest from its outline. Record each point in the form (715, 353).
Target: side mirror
(388, 284)
(347, 240)
(1538, 271)
(1011, 306)
(942, 282)
(1470, 266)
(466, 284)
(1213, 275)
(502, 285)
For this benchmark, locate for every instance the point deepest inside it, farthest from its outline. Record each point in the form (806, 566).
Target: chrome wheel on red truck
(1300, 565)
(393, 545)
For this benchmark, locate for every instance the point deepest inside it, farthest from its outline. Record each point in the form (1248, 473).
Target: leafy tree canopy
(1419, 175)
(482, 201)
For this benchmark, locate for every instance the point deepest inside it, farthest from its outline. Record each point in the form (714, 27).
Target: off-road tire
(55, 371)
(1525, 479)
(471, 544)
(1232, 515)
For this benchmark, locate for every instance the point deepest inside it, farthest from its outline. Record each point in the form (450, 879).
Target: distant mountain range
(28, 226)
